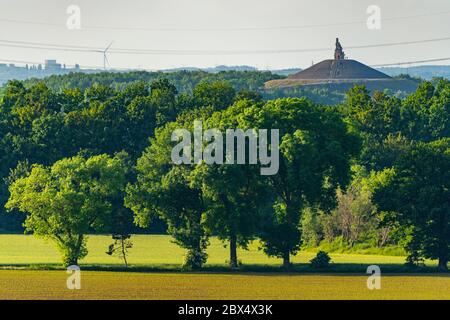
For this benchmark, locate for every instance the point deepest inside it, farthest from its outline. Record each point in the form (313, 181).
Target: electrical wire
(233, 29)
(71, 48)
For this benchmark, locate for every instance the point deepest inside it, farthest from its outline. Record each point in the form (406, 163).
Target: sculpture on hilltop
(338, 52)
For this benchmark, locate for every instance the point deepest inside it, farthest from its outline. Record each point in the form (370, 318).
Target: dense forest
(91, 153)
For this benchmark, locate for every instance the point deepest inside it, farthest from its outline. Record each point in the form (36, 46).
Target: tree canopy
(68, 200)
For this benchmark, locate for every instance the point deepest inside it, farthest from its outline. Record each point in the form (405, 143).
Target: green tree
(236, 193)
(163, 95)
(356, 214)
(68, 200)
(121, 223)
(249, 95)
(164, 190)
(425, 113)
(218, 94)
(387, 124)
(418, 192)
(316, 148)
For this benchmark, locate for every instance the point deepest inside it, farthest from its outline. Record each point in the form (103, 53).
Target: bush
(194, 259)
(321, 260)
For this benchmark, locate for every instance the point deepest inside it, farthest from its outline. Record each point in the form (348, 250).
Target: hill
(423, 72)
(337, 70)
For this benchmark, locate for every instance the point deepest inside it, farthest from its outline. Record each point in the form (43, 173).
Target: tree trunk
(443, 256)
(124, 254)
(443, 243)
(233, 250)
(76, 254)
(70, 261)
(443, 264)
(232, 231)
(73, 253)
(286, 260)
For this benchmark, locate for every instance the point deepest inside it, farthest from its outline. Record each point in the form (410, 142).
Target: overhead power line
(56, 47)
(232, 29)
(409, 62)
(28, 43)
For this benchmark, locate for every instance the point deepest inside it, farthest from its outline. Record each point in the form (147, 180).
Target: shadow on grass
(300, 268)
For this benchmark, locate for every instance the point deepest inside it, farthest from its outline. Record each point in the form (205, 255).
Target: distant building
(52, 65)
(49, 67)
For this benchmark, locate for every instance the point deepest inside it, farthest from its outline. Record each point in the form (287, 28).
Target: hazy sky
(224, 25)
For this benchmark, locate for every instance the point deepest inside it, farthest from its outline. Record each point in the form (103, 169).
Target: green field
(157, 253)
(24, 284)
(157, 250)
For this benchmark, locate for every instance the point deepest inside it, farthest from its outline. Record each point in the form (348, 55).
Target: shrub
(194, 259)
(321, 260)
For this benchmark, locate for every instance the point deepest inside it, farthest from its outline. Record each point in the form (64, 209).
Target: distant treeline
(185, 82)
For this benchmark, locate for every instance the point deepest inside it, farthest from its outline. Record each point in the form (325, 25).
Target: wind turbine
(105, 58)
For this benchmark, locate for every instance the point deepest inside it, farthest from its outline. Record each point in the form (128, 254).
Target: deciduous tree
(68, 200)
(418, 192)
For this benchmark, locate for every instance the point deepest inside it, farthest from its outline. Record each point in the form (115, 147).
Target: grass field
(157, 250)
(24, 284)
